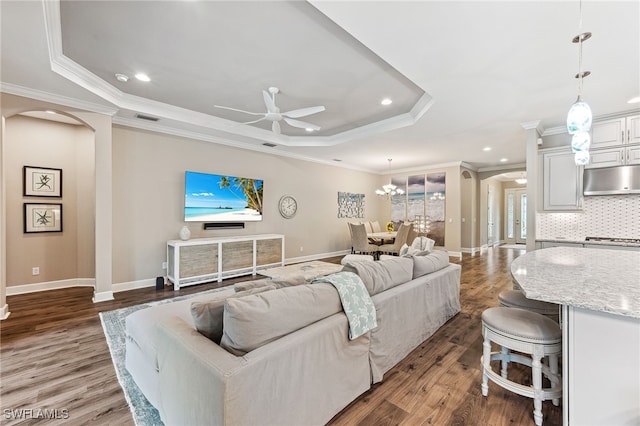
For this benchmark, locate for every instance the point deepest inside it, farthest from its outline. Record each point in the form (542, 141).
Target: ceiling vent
(269, 144)
(146, 117)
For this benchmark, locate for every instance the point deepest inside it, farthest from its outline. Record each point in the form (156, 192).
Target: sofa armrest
(193, 373)
(305, 377)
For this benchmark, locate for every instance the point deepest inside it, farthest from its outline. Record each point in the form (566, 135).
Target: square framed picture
(42, 218)
(41, 182)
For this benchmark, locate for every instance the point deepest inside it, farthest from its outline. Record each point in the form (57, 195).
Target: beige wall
(60, 256)
(148, 198)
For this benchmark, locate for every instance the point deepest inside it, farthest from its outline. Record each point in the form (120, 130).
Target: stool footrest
(528, 391)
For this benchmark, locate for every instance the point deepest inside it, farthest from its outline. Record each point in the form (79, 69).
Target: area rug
(309, 270)
(113, 324)
(514, 246)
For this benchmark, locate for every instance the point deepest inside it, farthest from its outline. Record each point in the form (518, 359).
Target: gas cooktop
(614, 239)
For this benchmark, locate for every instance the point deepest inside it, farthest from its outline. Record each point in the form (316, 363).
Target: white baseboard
(315, 257)
(4, 312)
(50, 285)
(471, 250)
(102, 296)
(132, 285)
(457, 254)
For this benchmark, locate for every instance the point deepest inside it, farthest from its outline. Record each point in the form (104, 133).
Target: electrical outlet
(301, 248)
(164, 265)
(35, 270)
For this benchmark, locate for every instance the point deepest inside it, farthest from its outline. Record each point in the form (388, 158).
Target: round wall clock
(288, 206)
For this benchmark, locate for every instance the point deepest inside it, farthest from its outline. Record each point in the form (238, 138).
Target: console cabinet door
(562, 181)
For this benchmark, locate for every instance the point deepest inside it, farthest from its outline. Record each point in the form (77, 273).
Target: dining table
(382, 237)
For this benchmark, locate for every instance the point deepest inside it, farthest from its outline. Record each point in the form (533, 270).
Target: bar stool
(528, 333)
(517, 299)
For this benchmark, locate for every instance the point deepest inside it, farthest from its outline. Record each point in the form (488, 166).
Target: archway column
(533, 134)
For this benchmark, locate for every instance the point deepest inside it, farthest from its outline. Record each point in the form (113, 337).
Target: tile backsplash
(615, 216)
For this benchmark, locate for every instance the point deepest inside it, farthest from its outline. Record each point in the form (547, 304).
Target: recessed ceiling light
(634, 100)
(50, 112)
(309, 129)
(486, 148)
(504, 160)
(386, 101)
(142, 77)
(121, 77)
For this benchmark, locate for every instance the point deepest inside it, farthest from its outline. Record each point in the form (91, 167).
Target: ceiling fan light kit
(274, 115)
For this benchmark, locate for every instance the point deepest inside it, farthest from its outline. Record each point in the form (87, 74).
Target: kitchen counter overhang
(595, 279)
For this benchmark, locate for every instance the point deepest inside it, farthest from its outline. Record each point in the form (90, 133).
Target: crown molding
(530, 125)
(563, 129)
(79, 75)
(52, 98)
(501, 168)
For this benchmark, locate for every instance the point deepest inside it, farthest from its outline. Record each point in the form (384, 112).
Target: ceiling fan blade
(303, 112)
(269, 102)
(301, 124)
(239, 110)
(276, 127)
(254, 121)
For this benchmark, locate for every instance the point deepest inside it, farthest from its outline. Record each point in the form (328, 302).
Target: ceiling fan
(274, 115)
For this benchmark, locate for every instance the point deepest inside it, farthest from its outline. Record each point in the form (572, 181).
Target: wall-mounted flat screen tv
(219, 198)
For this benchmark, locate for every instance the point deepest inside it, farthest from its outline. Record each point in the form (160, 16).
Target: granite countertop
(583, 241)
(596, 279)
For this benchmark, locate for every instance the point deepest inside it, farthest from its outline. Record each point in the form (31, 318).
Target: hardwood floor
(54, 357)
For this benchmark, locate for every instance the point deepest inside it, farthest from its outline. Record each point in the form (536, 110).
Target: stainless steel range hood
(612, 180)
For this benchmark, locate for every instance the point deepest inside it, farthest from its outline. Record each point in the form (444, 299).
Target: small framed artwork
(42, 218)
(41, 182)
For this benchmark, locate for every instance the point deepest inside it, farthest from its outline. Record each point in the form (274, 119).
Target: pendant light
(579, 118)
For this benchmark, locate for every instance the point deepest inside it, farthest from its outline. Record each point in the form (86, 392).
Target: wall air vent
(269, 144)
(146, 117)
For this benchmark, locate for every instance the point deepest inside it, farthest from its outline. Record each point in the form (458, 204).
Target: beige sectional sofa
(284, 355)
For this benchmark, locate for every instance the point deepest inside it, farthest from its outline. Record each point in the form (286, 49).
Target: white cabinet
(204, 260)
(600, 365)
(618, 131)
(615, 142)
(561, 181)
(614, 157)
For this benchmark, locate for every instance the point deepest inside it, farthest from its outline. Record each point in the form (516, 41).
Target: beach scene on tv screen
(218, 198)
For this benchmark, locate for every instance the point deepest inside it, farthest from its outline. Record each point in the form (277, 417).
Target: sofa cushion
(208, 314)
(383, 274)
(434, 261)
(279, 283)
(253, 321)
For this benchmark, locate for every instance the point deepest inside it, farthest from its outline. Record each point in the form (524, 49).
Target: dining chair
(359, 242)
(401, 239)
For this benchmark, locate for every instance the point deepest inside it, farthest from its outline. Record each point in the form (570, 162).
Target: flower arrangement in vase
(390, 227)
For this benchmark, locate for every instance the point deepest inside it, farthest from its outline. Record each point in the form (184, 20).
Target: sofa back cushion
(383, 274)
(434, 261)
(253, 321)
(278, 282)
(208, 314)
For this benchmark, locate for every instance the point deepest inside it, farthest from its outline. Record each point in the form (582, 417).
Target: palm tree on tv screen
(252, 192)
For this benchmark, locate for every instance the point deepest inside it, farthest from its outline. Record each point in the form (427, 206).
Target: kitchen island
(599, 292)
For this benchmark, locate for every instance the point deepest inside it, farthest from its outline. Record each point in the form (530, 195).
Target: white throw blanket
(356, 302)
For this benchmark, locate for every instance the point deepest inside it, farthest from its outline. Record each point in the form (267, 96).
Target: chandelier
(389, 190)
(579, 118)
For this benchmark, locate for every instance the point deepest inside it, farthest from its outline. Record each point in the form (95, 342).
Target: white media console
(211, 259)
